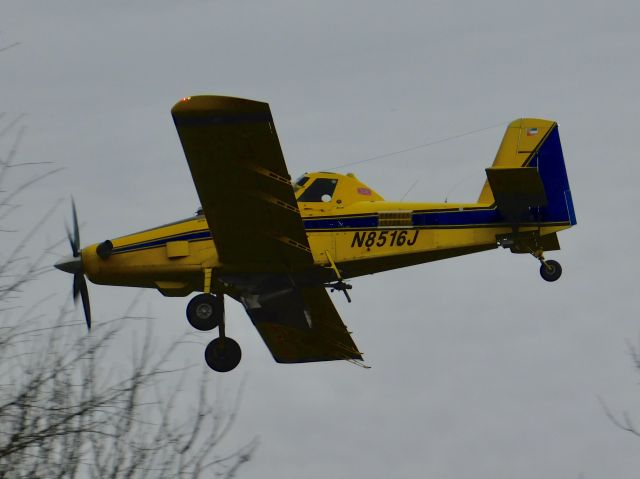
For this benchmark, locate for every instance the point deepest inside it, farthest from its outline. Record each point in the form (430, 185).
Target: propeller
(73, 264)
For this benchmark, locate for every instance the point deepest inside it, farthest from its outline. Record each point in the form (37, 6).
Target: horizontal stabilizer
(516, 191)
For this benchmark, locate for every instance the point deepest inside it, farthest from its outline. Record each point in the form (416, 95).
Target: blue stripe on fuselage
(198, 235)
(433, 218)
(458, 218)
(341, 222)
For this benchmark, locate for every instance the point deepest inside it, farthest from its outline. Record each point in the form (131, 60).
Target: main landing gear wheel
(550, 270)
(204, 313)
(222, 354)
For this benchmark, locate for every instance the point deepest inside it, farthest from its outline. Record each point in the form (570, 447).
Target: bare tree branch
(63, 414)
(623, 421)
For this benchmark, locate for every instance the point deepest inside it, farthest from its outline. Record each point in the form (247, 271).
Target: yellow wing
(245, 190)
(246, 194)
(301, 325)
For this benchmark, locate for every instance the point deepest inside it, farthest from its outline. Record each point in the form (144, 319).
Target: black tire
(551, 271)
(203, 313)
(222, 354)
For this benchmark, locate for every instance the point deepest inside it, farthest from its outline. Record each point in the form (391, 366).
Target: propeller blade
(70, 238)
(84, 293)
(80, 289)
(77, 284)
(76, 230)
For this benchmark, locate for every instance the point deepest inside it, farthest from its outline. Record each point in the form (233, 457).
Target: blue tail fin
(529, 173)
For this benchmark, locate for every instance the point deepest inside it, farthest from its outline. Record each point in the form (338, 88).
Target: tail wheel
(223, 354)
(203, 312)
(550, 270)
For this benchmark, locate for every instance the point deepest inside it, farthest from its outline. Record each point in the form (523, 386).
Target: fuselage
(352, 226)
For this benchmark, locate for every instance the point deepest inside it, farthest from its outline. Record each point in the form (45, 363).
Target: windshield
(321, 190)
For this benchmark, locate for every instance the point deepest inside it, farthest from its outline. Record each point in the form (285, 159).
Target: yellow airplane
(277, 246)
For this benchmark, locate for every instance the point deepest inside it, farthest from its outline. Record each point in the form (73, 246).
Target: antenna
(468, 177)
(410, 188)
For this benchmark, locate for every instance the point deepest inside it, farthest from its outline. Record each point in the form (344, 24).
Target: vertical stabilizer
(532, 144)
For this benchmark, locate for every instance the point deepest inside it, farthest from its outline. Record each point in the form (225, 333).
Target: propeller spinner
(73, 264)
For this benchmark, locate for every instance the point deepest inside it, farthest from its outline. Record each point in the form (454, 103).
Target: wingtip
(217, 103)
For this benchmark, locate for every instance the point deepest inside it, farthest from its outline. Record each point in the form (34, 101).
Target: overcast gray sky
(479, 368)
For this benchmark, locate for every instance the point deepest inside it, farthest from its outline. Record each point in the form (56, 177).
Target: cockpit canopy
(331, 190)
(320, 189)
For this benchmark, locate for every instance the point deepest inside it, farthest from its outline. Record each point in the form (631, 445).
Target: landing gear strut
(533, 243)
(223, 353)
(550, 270)
(206, 312)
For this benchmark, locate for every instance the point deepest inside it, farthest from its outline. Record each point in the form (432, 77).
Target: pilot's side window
(300, 182)
(321, 190)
